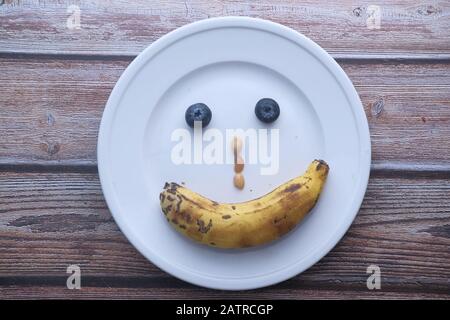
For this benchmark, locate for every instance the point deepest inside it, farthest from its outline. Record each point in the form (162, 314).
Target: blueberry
(267, 110)
(198, 112)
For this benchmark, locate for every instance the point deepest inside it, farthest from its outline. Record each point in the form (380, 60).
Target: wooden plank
(116, 27)
(296, 290)
(51, 220)
(51, 109)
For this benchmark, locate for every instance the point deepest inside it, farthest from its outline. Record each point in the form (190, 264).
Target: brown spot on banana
(277, 220)
(187, 217)
(293, 187)
(178, 203)
(201, 226)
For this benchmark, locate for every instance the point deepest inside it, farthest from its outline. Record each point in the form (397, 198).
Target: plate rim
(360, 121)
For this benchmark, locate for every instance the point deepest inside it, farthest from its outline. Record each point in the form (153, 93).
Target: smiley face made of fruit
(245, 224)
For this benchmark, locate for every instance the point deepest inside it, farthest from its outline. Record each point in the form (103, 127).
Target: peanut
(239, 181)
(237, 145)
(239, 164)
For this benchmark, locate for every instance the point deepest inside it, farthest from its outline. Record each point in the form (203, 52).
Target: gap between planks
(120, 56)
(164, 282)
(387, 169)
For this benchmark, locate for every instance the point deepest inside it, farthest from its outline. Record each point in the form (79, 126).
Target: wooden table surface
(54, 83)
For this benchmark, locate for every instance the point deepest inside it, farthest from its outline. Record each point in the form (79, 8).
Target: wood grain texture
(118, 27)
(50, 109)
(54, 83)
(51, 220)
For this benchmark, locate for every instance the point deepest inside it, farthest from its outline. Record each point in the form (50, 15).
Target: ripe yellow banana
(246, 224)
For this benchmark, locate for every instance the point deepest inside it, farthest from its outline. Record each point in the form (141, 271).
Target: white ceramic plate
(229, 64)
